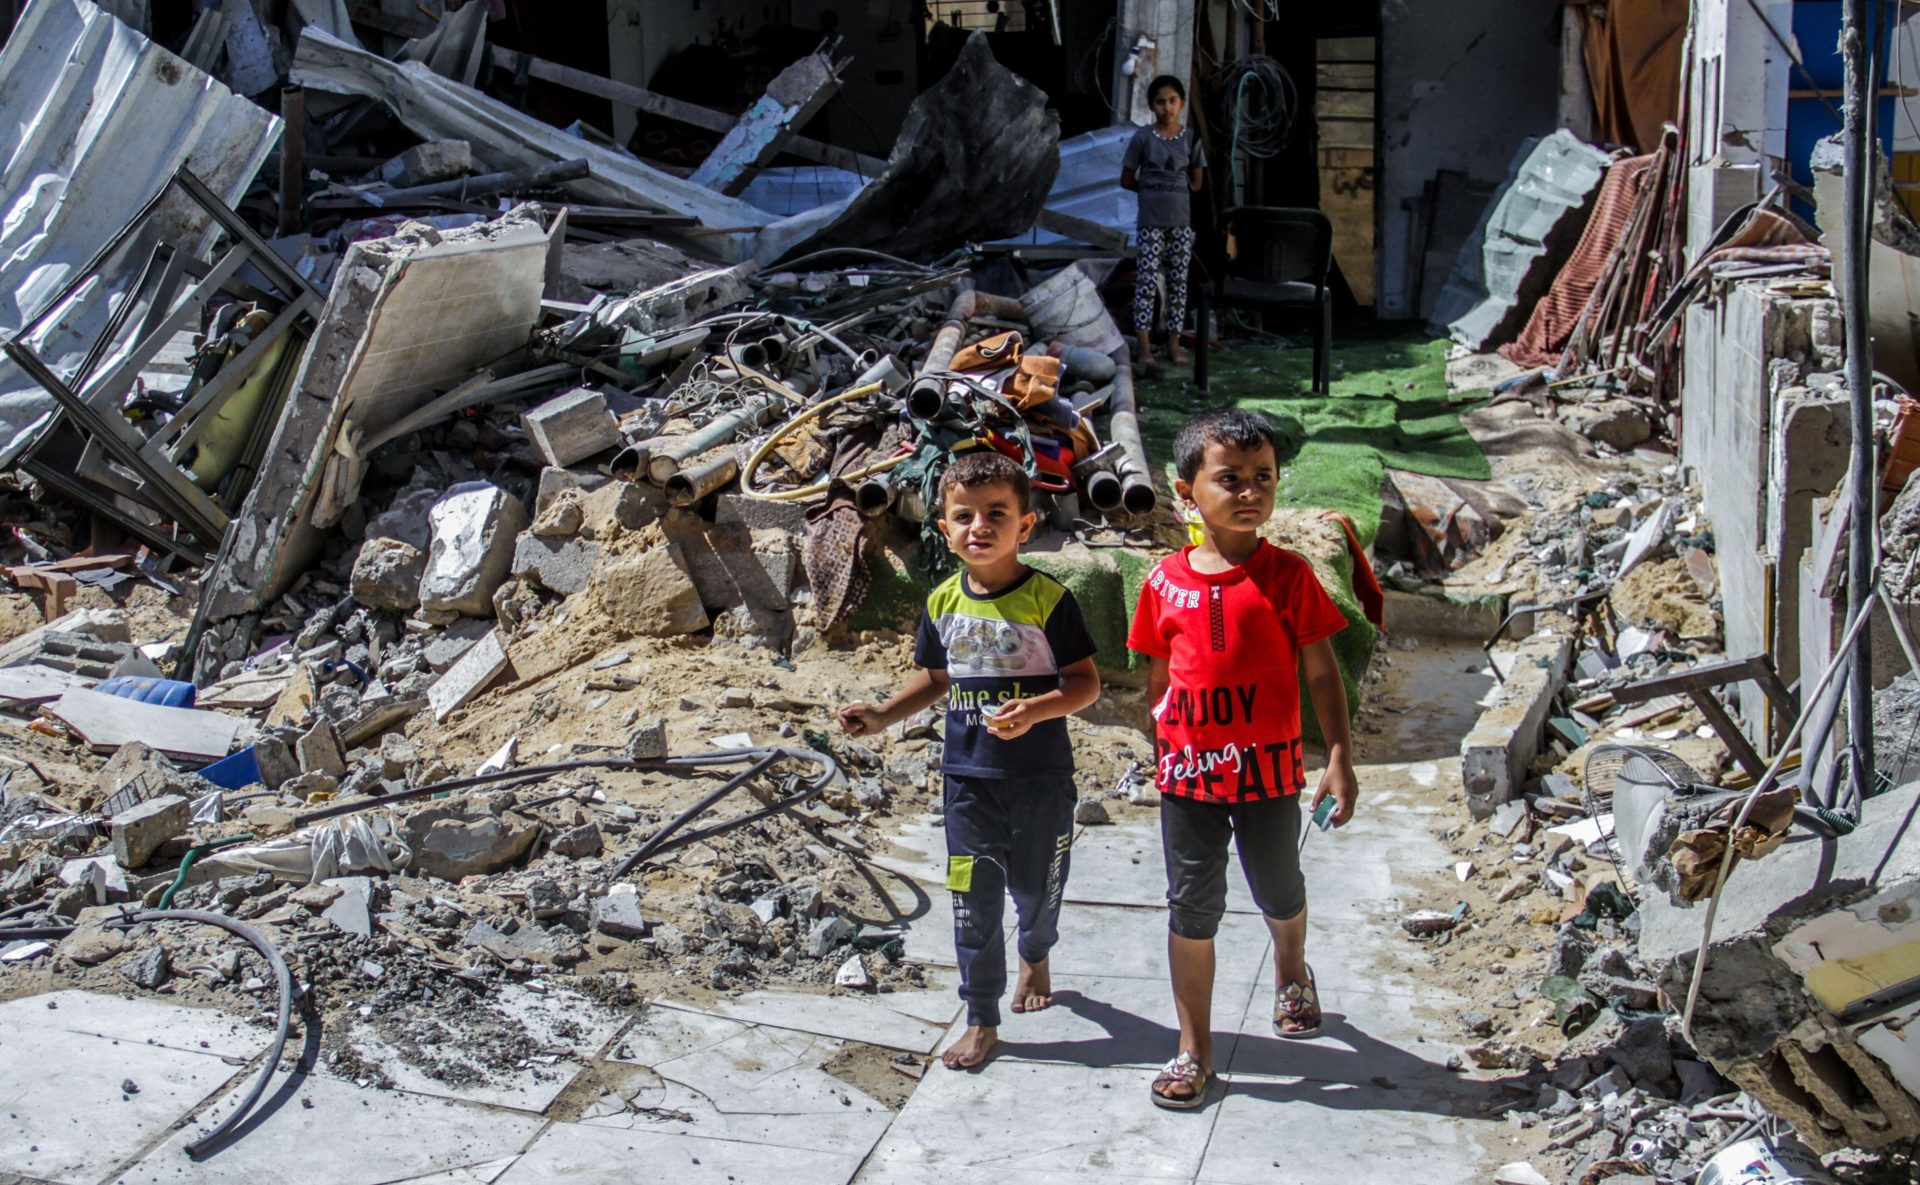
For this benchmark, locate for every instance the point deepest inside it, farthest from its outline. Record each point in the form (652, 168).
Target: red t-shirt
(1228, 728)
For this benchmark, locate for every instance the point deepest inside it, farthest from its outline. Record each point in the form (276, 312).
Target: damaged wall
(1737, 109)
(1740, 353)
(1802, 938)
(1461, 86)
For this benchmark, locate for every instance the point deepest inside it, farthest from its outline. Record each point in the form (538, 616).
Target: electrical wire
(1260, 106)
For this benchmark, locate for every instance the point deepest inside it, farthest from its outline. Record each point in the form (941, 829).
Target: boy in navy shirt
(1008, 650)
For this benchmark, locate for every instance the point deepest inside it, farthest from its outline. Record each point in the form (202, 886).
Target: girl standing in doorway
(1163, 164)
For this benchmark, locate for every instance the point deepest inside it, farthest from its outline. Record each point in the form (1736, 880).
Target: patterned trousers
(1164, 253)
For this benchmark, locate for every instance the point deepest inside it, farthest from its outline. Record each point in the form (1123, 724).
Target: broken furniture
(1698, 684)
(1279, 257)
(193, 453)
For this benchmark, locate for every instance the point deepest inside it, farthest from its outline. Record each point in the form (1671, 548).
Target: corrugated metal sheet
(93, 120)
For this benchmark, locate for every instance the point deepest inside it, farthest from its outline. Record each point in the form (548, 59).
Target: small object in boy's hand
(992, 715)
(1323, 814)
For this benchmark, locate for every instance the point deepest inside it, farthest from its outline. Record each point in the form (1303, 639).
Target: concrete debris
(436, 160)
(618, 915)
(387, 575)
(139, 831)
(1091, 811)
(474, 529)
(573, 427)
(454, 839)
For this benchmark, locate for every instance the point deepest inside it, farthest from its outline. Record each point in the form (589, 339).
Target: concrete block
(423, 164)
(617, 914)
(619, 507)
(1495, 755)
(554, 480)
(318, 750)
(651, 593)
(138, 831)
(477, 668)
(474, 528)
(455, 839)
(739, 510)
(386, 575)
(559, 565)
(573, 426)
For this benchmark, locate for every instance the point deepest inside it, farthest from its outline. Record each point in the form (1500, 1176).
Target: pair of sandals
(1296, 1017)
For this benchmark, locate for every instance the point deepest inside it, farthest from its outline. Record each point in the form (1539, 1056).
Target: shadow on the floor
(1370, 1075)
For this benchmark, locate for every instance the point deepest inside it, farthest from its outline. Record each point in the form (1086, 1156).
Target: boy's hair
(1179, 88)
(1236, 427)
(984, 467)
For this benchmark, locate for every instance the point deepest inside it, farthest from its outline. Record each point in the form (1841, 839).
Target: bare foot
(1177, 355)
(1033, 991)
(972, 1048)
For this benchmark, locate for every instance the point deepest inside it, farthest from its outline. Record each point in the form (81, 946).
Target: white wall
(1461, 85)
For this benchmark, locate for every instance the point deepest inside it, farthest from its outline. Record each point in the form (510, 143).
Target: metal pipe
(927, 397)
(874, 496)
(293, 144)
(1137, 494)
(1861, 156)
(887, 373)
(1103, 490)
(664, 463)
(535, 773)
(688, 486)
(485, 185)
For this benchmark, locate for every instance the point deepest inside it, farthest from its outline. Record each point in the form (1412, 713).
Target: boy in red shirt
(1229, 624)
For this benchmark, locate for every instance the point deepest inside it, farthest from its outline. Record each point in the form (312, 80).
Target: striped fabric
(1553, 319)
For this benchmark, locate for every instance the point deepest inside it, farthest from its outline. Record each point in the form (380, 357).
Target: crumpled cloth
(989, 352)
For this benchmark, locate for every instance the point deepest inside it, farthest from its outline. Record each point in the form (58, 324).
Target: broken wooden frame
(91, 436)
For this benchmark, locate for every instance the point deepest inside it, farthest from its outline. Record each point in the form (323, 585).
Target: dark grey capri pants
(1193, 837)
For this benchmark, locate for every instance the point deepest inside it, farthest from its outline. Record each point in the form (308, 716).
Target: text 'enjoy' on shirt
(1228, 727)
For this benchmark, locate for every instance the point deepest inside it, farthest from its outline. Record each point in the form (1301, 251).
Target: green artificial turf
(1389, 407)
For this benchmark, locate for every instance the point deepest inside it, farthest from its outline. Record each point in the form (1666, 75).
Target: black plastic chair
(1282, 258)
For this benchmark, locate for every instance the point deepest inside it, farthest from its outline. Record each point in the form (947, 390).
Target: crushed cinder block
(828, 935)
(474, 528)
(149, 969)
(560, 565)
(556, 481)
(423, 164)
(139, 831)
(559, 517)
(387, 573)
(572, 427)
(578, 842)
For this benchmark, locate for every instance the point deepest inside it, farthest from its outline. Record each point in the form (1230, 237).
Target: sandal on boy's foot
(1183, 1069)
(1296, 1010)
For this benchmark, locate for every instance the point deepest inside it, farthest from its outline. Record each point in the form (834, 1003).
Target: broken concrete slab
(318, 750)
(484, 662)
(474, 528)
(108, 721)
(138, 831)
(389, 340)
(352, 910)
(572, 427)
(454, 838)
(1495, 755)
(618, 915)
(423, 164)
(790, 100)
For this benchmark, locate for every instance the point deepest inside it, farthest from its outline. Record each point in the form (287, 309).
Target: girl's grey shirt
(1162, 168)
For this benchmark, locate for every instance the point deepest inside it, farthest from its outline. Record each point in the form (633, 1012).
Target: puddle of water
(1427, 699)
